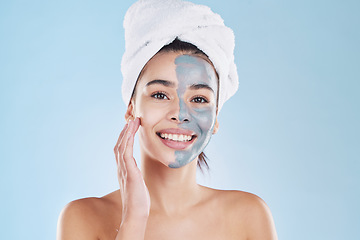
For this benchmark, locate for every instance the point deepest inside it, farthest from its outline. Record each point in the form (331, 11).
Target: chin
(178, 163)
(175, 165)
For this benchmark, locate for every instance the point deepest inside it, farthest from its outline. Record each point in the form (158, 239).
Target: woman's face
(176, 101)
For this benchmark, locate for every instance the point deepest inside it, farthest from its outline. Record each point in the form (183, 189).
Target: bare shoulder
(246, 212)
(253, 213)
(84, 218)
(244, 201)
(235, 198)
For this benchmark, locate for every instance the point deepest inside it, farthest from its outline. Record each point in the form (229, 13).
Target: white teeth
(176, 137)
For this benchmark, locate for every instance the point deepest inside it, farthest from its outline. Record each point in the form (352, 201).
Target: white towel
(151, 24)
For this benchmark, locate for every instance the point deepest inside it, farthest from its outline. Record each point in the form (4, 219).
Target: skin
(160, 202)
(190, 71)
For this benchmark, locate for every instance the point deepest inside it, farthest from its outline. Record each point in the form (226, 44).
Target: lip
(177, 131)
(177, 144)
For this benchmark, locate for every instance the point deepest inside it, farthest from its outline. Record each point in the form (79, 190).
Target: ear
(216, 126)
(130, 113)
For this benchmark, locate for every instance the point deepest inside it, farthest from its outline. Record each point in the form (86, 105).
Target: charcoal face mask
(196, 72)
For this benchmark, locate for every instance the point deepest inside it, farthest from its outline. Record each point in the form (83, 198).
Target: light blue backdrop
(290, 135)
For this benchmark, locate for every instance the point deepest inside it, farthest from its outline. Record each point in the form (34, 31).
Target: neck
(170, 188)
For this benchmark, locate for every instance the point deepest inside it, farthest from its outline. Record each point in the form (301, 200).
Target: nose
(181, 112)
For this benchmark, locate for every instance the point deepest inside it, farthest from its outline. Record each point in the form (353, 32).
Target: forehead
(194, 70)
(179, 68)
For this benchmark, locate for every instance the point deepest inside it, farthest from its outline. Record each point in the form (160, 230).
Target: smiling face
(175, 99)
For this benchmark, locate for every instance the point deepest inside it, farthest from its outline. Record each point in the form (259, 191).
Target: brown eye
(199, 100)
(159, 95)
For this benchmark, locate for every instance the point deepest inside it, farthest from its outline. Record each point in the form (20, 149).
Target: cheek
(205, 119)
(150, 116)
(147, 113)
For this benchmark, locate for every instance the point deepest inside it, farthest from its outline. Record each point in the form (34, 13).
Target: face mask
(194, 71)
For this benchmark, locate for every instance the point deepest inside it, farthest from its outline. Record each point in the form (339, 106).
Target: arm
(81, 219)
(134, 193)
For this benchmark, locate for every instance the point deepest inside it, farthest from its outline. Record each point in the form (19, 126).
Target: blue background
(290, 135)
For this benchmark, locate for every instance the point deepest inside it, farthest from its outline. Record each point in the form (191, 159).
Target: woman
(174, 93)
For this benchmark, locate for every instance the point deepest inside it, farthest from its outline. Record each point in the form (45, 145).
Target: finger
(129, 146)
(120, 149)
(133, 127)
(123, 144)
(137, 124)
(129, 154)
(116, 148)
(121, 135)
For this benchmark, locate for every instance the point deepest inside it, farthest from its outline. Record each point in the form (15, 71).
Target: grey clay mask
(192, 70)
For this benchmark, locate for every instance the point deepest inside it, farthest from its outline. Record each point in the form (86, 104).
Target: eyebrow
(172, 84)
(201, 86)
(162, 82)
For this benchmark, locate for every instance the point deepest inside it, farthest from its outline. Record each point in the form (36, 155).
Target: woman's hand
(134, 193)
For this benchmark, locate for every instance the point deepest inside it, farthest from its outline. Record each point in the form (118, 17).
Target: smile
(177, 138)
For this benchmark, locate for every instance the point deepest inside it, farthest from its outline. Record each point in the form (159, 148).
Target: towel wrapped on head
(151, 24)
